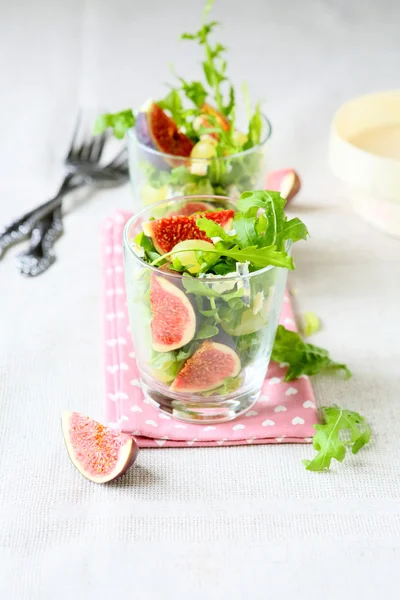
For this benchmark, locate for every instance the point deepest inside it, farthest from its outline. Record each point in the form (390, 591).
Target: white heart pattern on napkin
(291, 391)
(308, 404)
(251, 413)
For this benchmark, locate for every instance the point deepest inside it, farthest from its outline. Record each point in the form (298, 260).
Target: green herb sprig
(303, 358)
(342, 430)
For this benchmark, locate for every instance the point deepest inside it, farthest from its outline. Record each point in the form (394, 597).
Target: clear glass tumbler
(156, 176)
(203, 344)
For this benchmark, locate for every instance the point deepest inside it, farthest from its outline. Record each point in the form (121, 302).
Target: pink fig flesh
(285, 181)
(98, 452)
(207, 369)
(173, 322)
(169, 231)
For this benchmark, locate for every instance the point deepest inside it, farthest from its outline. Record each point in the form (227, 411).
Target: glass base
(212, 409)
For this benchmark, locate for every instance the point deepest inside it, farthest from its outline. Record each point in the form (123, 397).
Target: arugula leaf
(303, 358)
(214, 66)
(181, 175)
(176, 265)
(119, 122)
(257, 257)
(206, 330)
(207, 8)
(195, 286)
(229, 107)
(146, 243)
(329, 437)
(245, 226)
(255, 128)
(154, 177)
(194, 91)
(212, 229)
(262, 199)
(172, 102)
(274, 227)
(248, 346)
(187, 351)
(294, 230)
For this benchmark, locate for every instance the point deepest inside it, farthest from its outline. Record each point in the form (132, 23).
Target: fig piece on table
(285, 181)
(98, 452)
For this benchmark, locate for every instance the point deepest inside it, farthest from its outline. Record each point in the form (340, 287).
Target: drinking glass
(225, 327)
(156, 176)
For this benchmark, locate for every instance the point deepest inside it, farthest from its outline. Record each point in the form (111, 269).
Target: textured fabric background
(198, 523)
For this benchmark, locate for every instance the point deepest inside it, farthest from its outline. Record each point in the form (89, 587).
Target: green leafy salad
(195, 145)
(225, 261)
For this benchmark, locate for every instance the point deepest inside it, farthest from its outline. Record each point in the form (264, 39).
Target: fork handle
(20, 228)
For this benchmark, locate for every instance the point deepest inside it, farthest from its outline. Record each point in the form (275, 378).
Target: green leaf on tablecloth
(343, 429)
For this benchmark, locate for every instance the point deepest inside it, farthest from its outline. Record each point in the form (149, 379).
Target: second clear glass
(156, 176)
(230, 324)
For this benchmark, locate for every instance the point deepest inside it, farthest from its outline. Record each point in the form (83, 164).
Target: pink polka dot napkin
(285, 412)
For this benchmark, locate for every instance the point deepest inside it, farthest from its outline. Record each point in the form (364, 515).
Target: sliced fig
(98, 452)
(173, 322)
(285, 181)
(207, 369)
(189, 208)
(169, 231)
(158, 131)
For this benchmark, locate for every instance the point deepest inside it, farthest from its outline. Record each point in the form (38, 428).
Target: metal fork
(87, 153)
(44, 223)
(40, 256)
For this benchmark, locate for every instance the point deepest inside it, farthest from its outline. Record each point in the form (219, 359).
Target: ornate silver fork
(44, 223)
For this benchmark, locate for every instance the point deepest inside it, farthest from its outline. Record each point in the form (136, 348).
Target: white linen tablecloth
(193, 523)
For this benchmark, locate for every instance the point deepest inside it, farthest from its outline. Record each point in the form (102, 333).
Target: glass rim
(200, 197)
(267, 122)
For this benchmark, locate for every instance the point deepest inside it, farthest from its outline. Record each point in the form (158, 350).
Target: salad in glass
(194, 141)
(204, 290)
